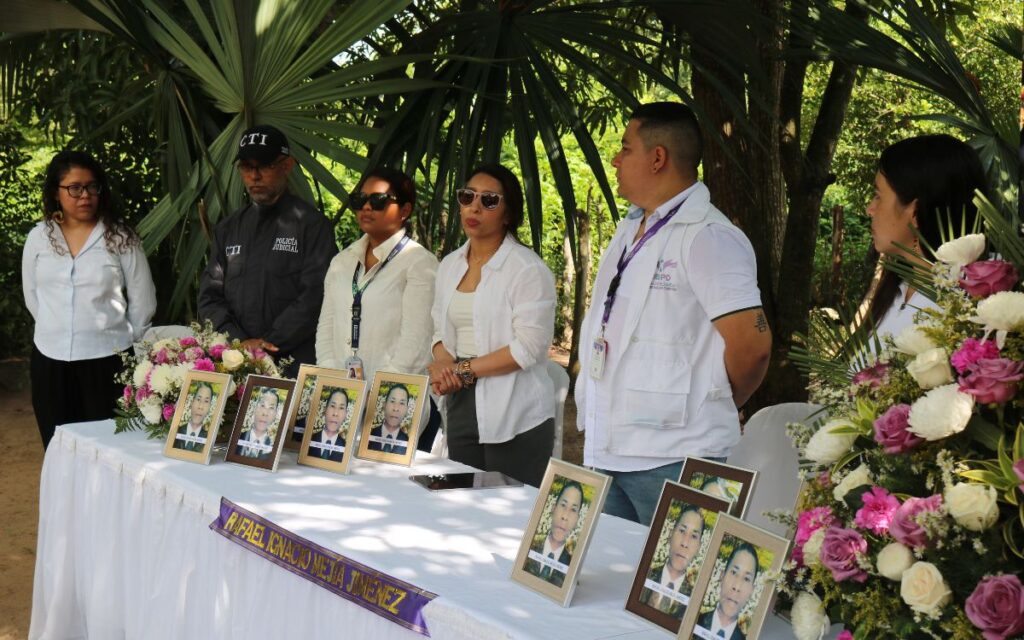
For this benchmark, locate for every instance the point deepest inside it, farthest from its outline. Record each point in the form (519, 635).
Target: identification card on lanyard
(354, 365)
(600, 345)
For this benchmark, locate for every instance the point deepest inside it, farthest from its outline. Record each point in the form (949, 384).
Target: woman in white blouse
(494, 317)
(87, 285)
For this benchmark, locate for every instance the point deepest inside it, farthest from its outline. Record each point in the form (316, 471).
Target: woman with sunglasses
(87, 285)
(494, 317)
(378, 290)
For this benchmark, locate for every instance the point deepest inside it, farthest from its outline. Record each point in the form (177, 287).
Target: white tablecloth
(125, 551)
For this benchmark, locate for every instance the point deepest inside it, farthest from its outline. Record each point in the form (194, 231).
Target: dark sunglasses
(378, 201)
(488, 199)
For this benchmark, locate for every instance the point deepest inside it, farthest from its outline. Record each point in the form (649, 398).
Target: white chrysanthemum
(913, 341)
(178, 372)
(893, 560)
(269, 366)
(1003, 311)
(219, 338)
(942, 412)
(141, 371)
(973, 506)
(962, 251)
(931, 368)
(826, 447)
(924, 588)
(808, 617)
(162, 379)
(856, 478)
(166, 343)
(812, 548)
(152, 410)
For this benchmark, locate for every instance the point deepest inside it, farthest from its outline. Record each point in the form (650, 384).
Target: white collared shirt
(552, 552)
(666, 580)
(89, 306)
(514, 306)
(715, 626)
(395, 331)
(900, 313)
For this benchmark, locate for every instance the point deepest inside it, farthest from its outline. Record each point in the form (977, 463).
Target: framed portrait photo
(329, 438)
(304, 384)
(678, 539)
(721, 480)
(391, 426)
(736, 584)
(197, 416)
(561, 524)
(257, 437)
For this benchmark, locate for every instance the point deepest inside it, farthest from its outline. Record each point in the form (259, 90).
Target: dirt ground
(21, 459)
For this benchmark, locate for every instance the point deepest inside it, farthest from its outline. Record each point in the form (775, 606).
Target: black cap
(262, 143)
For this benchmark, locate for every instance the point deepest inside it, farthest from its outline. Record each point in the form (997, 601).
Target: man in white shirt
(737, 585)
(675, 339)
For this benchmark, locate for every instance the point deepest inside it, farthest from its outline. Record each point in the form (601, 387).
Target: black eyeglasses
(378, 201)
(251, 169)
(488, 199)
(78, 190)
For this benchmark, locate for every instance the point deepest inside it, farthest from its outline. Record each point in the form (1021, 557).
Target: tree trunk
(566, 301)
(837, 288)
(582, 276)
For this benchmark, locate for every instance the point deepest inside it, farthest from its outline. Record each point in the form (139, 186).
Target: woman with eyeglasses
(494, 317)
(87, 285)
(378, 290)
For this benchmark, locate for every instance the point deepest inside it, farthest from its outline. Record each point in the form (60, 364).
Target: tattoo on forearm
(760, 323)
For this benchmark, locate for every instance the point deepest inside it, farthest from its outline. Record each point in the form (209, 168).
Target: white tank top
(460, 314)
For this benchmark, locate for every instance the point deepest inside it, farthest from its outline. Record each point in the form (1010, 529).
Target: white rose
(812, 548)
(962, 251)
(808, 617)
(856, 478)
(152, 410)
(931, 368)
(232, 359)
(231, 386)
(893, 560)
(942, 412)
(140, 373)
(1003, 311)
(825, 447)
(162, 379)
(913, 341)
(973, 506)
(924, 589)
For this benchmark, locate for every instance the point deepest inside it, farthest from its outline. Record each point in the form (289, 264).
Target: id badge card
(600, 350)
(355, 368)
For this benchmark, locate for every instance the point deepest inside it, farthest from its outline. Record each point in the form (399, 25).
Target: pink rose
(971, 351)
(985, 277)
(807, 523)
(128, 394)
(892, 430)
(873, 376)
(845, 635)
(188, 341)
(162, 357)
(997, 607)
(217, 351)
(204, 364)
(1018, 468)
(905, 527)
(142, 393)
(993, 380)
(840, 552)
(258, 354)
(876, 514)
(168, 411)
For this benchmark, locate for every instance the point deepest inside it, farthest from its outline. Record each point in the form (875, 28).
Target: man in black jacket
(265, 278)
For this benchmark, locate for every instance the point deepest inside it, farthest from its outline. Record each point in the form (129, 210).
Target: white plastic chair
(766, 448)
(560, 379)
(161, 333)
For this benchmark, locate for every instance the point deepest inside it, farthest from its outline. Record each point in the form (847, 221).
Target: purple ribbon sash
(388, 597)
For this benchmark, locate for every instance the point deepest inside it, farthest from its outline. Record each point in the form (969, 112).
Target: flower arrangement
(911, 524)
(153, 375)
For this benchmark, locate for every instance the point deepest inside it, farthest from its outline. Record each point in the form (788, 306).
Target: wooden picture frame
(304, 383)
(739, 554)
(319, 448)
(258, 435)
(201, 391)
(718, 479)
(679, 537)
(375, 436)
(561, 524)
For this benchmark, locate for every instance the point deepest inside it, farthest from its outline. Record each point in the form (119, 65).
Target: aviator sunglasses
(378, 201)
(488, 199)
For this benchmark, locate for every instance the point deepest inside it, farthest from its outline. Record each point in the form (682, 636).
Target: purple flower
(188, 341)
(876, 514)
(1018, 468)
(204, 364)
(985, 277)
(217, 351)
(892, 430)
(168, 411)
(904, 526)
(873, 376)
(993, 380)
(807, 523)
(840, 552)
(997, 607)
(971, 351)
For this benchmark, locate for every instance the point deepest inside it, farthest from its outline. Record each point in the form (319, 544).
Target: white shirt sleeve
(139, 290)
(533, 314)
(28, 271)
(325, 352)
(437, 312)
(722, 271)
(417, 327)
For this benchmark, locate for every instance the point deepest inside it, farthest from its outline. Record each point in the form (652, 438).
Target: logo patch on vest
(663, 275)
(233, 250)
(291, 245)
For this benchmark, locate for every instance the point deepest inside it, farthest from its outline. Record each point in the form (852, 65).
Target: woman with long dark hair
(88, 286)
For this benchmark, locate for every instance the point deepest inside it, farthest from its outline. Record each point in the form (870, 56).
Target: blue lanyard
(624, 260)
(357, 291)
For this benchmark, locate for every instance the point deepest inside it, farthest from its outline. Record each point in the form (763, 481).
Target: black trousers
(429, 431)
(76, 391)
(524, 457)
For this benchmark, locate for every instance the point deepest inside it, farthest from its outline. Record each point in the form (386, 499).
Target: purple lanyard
(624, 260)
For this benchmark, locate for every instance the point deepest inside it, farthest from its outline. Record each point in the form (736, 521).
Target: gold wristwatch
(465, 374)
